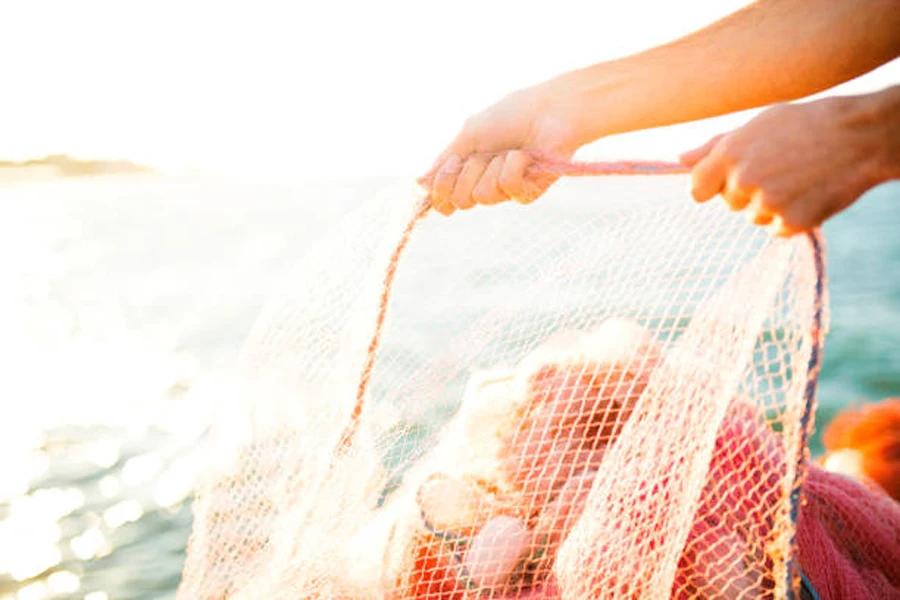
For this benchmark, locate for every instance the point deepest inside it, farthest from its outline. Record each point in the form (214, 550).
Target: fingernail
(444, 209)
(451, 164)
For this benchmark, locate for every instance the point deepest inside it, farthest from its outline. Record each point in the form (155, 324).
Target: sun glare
(337, 87)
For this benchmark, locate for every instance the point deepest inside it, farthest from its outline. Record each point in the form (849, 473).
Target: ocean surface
(123, 300)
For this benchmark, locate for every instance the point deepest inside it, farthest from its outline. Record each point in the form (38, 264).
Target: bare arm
(770, 51)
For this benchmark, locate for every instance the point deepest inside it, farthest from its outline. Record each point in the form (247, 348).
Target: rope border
(807, 418)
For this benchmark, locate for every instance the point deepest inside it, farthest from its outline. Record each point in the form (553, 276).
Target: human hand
(794, 165)
(489, 160)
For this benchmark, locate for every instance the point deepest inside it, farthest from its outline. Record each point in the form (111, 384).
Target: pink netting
(606, 394)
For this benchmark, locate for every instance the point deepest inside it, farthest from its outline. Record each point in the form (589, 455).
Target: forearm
(771, 51)
(883, 115)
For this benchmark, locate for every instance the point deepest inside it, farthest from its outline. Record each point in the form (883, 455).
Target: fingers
(471, 172)
(513, 179)
(801, 214)
(692, 157)
(444, 182)
(761, 210)
(715, 173)
(708, 176)
(488, 190)
(779, 228)
(441, 178)
(736, 194)
(757, 211)
(458, 184)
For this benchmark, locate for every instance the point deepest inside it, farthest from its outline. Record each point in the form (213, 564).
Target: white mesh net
(598, 396)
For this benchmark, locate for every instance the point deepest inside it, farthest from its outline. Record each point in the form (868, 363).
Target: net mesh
(603, 395)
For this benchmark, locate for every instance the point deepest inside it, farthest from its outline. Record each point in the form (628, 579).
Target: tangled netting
(604, 395)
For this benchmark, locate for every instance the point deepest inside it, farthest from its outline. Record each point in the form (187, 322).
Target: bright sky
(333, 86)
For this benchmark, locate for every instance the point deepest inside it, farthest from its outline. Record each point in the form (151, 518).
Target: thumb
(692, 157)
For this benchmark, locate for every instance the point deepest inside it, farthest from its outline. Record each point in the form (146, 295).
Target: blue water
(862, 350)
(124, 299)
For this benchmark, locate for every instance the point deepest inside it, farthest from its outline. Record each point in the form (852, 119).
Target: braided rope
(807, 419)
(371, 353)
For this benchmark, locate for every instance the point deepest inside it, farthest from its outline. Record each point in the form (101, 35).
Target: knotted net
(603, 395)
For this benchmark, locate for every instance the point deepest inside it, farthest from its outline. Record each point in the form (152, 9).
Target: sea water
(124, 300)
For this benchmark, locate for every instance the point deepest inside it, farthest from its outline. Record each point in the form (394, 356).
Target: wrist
(588, 100)
(878, 116)
(888, 108)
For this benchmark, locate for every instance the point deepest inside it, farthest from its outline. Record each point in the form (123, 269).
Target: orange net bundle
(604, 395)
(864, 442)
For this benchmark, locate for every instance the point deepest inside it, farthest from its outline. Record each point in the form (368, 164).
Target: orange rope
(390, 274)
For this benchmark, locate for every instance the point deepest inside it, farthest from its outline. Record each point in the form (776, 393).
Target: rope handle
(549, 165)
(543, 164)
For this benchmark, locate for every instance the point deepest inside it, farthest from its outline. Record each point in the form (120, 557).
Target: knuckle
(450, 167)
(465, 168)
(728, 151)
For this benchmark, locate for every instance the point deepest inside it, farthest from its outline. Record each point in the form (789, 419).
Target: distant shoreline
(61, 165)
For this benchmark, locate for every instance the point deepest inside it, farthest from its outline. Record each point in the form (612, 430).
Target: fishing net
(603, 395)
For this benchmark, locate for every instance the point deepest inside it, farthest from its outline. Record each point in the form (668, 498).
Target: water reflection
(109, 486)
(33, 591)
(29, 534)
(63, 582)
(90, 544)
(88, 496)
(120, 303)
(127, 511)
